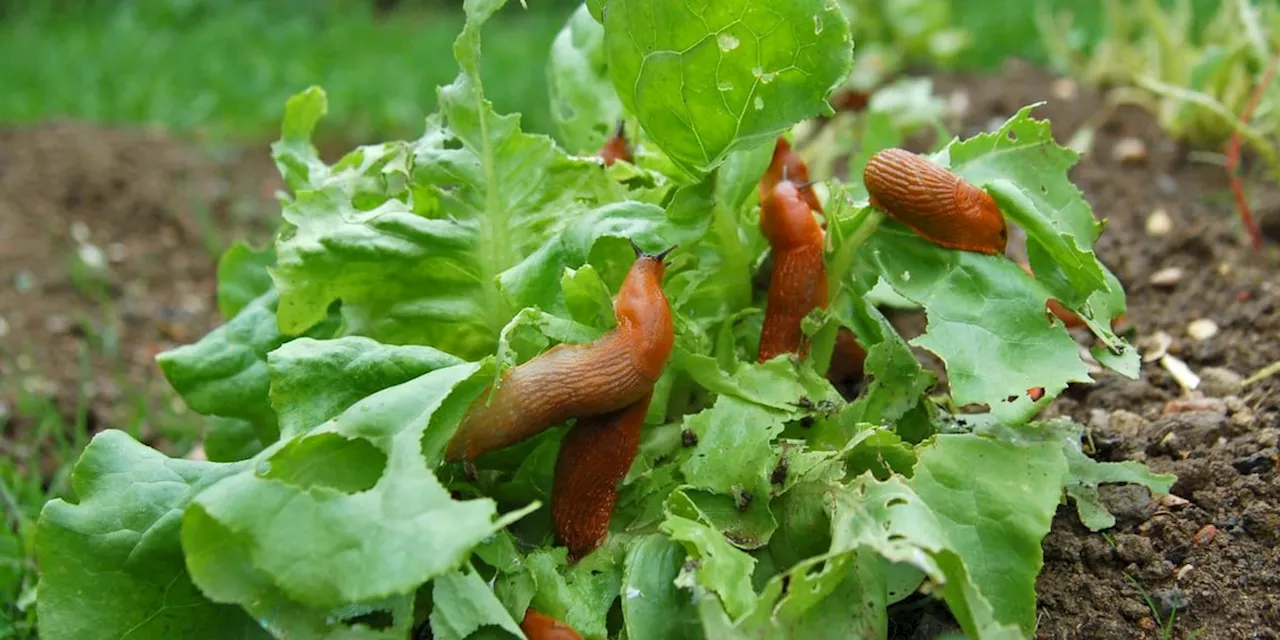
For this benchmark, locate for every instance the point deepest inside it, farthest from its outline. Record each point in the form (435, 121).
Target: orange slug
(541, 627)
(851, 100)
(938, 205)
(616, 147)
(847, 360)
(1068, 318)
(577, 380)
(787, 165)
(798, 282)
(594, 457)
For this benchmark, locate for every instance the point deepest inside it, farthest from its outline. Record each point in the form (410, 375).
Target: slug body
(540, 627)
(594, 457)
(798, 281)
(616, 147)
(576, 380)
(788, 166)
(938, 205)
(848, 359)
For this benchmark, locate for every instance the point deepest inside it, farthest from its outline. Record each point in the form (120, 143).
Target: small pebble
(92, 257)
(1065, 89)
(1269, 437)
(1183, 571)
(57, 324)
(1202, 329)
(1167, 277)
(1174, 503)
(1159, 223)
(1182, 374)
(1221, 382)
(80, 232)
(1205, 535)
(1168, 601)
(1147, 625)
(1155, 346)
(1129, 151)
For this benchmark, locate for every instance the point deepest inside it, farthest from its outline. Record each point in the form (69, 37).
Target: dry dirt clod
(1202, 329)
(1221, 382)
(1192, 405)
(1166, 277)
(1126, 424)
(1174, 503)
(1159, 223)
(1129, 151)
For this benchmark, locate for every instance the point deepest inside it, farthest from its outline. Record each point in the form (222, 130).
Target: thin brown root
(1233, 157)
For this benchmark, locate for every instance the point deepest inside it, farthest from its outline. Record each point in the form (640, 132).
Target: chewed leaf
(111, 564)
(584, 105)
(299, 520)
(707, 78)
(987, 322)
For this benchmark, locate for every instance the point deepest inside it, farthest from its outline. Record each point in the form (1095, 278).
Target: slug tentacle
(935, 203)
(575, 380)
(594, 457)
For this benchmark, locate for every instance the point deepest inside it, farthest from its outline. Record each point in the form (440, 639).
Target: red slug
(594, 457)
(798, 283)
(938, 205)
(1068, 318)
(539, 627)
(577, 380)
(616, 147)
(787, 165)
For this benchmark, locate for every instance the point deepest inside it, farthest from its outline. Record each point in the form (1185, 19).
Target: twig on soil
(1233, 156)
(1263, 373)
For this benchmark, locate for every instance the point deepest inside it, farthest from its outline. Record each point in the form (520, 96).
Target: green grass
(228, 73)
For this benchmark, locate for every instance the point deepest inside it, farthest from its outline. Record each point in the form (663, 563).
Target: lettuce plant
(764, 503)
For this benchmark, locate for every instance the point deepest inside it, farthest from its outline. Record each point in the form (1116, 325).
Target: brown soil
(154, 213)
(141, 199)
(1214, 558)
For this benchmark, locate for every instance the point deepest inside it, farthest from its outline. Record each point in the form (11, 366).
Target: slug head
(786, 219)
(788, 166)
(641, 309)
(616, 147)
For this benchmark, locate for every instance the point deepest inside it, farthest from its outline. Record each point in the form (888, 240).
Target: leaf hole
(452, 143)
(895, 502)
(1013, 136)
(897, 537)
(378, 620)
(349, 465)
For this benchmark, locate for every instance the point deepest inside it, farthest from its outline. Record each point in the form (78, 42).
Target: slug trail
(938, 205)
(576, 380)
(798, 282)
(541, 627)
(594, 457)
(616, 147)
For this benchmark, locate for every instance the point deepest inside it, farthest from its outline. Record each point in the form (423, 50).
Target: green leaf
(111, 563)
(705, 79)
(298, 515)
(225, 373)
(653, 606)
(242, 277)
(230, 440)
(733, 454)
(584, 105)
(315, 380)
(829, 596)
(587, 298)
(580, 595)
(987, 322)
(463, 603)
(720, 567)
(296, 158)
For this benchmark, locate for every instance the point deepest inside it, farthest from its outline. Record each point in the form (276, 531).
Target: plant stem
(737, 264)
(1233, 157)
(865, 224)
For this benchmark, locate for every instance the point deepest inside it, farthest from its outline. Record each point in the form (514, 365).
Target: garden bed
(149, 204)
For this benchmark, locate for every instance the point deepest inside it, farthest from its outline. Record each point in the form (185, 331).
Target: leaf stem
(737, 264)
(865, 223)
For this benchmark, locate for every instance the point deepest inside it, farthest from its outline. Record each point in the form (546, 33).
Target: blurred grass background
(223, 69)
